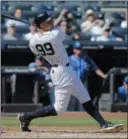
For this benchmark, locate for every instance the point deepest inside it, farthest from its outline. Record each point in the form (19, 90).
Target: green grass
(60, 121)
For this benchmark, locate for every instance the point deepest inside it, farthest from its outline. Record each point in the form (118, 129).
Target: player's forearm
(58, 20)
(43, 68)
(101, 74)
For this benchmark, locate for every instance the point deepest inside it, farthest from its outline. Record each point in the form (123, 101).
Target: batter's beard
(50, 27)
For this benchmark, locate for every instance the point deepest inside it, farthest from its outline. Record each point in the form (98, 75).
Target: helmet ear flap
(37, 23)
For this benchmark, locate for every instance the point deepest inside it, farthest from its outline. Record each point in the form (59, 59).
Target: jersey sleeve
(92, 64)
(63, 37)
(60, 35)
(58, 32)
(73, 63)
(31, 46)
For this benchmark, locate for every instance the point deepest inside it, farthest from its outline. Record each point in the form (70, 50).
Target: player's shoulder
(33, 39)
(72, 57)
(55, 30)
(51, 33)
(86, 58)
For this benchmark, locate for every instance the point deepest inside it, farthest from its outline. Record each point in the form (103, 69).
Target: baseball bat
(14, 18)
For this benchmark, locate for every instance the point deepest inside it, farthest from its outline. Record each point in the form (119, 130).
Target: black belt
(56, 65)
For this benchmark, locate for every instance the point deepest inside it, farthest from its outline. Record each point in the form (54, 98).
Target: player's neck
(78, 56)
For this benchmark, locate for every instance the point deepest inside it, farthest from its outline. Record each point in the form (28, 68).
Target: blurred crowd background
(82, 21)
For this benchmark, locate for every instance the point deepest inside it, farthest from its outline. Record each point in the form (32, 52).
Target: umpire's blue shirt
(82, 66)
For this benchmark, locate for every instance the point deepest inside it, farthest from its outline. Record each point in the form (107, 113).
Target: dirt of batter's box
(60, 132)
(85, 131)
(70, 132)
(57, 128)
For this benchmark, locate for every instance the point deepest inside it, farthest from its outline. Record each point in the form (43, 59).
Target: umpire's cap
(42, 17)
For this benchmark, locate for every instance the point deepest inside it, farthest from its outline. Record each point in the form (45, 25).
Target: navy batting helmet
(42, 17)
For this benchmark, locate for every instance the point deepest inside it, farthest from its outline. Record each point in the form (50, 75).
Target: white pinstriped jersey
(50, 45)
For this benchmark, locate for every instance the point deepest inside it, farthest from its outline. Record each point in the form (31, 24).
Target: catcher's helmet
(42, 17)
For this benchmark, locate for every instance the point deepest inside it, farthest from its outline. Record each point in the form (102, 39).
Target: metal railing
(24, 70)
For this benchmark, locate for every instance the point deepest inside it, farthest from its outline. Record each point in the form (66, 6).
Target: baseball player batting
(48, 43)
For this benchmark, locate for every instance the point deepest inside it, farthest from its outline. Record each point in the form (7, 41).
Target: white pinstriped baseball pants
(66, 82)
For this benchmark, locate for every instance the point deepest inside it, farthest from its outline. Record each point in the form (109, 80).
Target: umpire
(82, 64)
